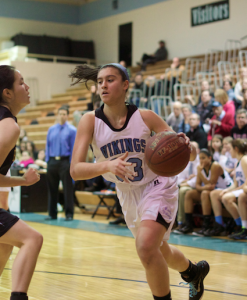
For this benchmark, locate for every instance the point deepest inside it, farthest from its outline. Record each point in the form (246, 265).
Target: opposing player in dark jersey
(118, 134)
(14, 96)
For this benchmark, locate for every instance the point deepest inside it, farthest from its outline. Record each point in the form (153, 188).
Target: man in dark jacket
(160, 54)
(205, 109)
(240, 130)
(197, 133)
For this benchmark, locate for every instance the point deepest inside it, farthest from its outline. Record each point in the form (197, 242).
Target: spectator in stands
(160, 54)
(138, 87)
(228, 196)
(40, 161)
(239, 131)
(239, 85)
(149, 89)
(176, 117)
(205, 109)
(204, 87)
(174, 75)
(190, 99)
(123, 63)
(244, 103)
(196, 132)
(210, 175)
(184, 126)
(221, 123)
(23, 136)
(32, 150)
(229, 77)
(228, 105)
(25, 159)
(186, 182)
(227, 86)
(59, 147)
(23, 146)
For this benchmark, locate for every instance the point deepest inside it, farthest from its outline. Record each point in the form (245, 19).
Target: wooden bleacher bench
(59, 100)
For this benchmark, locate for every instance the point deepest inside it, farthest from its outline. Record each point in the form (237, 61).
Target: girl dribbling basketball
(118, 134)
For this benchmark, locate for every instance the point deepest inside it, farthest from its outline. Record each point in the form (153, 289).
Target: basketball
(166, 154)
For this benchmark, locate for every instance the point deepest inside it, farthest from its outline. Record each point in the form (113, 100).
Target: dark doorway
(125, 43)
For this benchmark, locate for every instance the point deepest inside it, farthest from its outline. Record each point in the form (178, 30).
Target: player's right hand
(31, 177)
(118, 168)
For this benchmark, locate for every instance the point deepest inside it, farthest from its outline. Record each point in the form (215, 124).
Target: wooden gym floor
(93, 260)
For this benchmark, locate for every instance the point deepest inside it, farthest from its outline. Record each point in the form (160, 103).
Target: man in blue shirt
(59, 148)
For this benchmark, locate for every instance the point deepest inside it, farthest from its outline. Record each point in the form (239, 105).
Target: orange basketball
(166, 154)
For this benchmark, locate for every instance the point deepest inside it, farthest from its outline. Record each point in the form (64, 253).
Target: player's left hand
(187, 140)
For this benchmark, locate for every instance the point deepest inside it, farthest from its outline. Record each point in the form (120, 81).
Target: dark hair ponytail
(241, 144)
(7, 79)
(84, 73)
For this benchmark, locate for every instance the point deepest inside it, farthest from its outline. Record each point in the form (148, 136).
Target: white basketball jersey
(110, 143)
(231, 162)
(223, 182)
(240, 177)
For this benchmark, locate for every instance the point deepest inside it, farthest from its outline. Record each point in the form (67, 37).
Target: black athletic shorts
(7, 220)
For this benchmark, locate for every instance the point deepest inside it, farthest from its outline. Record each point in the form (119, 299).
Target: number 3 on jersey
(138, 169)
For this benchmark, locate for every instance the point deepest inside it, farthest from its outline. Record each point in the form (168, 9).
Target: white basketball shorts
(6, 189)
(145, 202)
(236, 193)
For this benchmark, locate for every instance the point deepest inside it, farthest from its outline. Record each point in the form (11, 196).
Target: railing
(232, 48)
(162, 105)
(193, 66)
(55, 58)
(208, 76)
(212, 57)
(184, 90)
(243, 58)
(226, 67)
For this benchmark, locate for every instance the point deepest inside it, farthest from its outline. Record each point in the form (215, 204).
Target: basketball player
(14, 96)
(230, 195)
(210, 176)
(118, 134)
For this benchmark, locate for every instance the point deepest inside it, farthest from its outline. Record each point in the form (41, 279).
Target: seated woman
(40, 161)
(210, 176)
(25, 159)
(230, 195)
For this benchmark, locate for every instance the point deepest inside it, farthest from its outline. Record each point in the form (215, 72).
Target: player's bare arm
(157, 124)
(9, 132)
(80, 169)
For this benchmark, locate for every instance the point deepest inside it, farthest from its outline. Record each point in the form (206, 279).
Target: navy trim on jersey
(99, 113)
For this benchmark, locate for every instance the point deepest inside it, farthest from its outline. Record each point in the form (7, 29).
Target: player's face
(111, 86)
(205, 160)
(216, 144)
(20, 90)
(226, 146)
(232, 151)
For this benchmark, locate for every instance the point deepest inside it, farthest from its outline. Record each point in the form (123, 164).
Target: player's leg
(230, 202)
(30, 242)
(4, 200)
(219, 226)
(181, 214)
(190, 197)
(242, 204)
(5, 251)
(148, 240)
(193, 274)
(206, 211)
